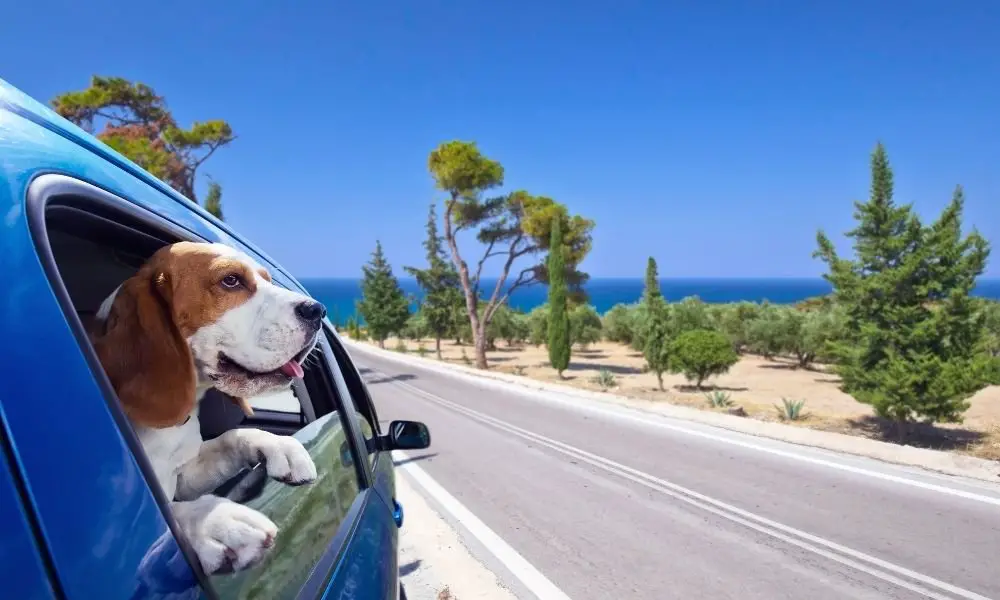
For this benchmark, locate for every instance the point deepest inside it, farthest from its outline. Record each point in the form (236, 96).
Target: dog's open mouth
(291, 369)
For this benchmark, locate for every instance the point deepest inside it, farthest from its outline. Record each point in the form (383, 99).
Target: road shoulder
(432, 557)
(931, 460)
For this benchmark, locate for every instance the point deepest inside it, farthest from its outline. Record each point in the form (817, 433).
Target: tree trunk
(437, 346)
(381, 344)
(698, 384)
(659, 378)
(480, 340)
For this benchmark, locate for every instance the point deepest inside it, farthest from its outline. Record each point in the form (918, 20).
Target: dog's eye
(231, 281)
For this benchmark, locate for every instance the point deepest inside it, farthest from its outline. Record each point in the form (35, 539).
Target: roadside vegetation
(901, 335)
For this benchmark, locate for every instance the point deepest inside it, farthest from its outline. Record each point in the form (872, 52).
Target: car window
(308, 516)
(363, 406)
(93, 254)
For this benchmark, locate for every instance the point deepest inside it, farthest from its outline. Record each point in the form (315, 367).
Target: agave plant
(719, 399)
(605, 379)
(790, 410)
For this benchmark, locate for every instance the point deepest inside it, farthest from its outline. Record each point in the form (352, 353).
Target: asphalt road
(611, 507)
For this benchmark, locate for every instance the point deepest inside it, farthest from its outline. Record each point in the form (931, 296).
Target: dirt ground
(754, 383)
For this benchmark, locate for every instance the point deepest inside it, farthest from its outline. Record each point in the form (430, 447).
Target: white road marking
(532, 578)
(656, 421)
(860, 561)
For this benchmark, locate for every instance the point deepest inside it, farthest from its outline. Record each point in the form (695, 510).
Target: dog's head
(201, 313)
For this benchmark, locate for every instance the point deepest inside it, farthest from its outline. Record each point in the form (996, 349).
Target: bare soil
(756, 384)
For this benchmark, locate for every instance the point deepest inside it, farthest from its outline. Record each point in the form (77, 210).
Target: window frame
(59, 191)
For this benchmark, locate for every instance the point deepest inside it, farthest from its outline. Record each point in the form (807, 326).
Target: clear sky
(716, 136)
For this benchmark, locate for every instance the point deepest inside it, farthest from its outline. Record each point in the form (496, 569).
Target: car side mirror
(406, 435)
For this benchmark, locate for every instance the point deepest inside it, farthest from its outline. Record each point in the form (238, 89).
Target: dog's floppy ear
(143, 352)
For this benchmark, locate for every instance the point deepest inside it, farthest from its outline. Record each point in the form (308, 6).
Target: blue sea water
(339, 294)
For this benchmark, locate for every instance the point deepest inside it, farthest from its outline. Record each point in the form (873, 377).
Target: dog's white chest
(169, 448)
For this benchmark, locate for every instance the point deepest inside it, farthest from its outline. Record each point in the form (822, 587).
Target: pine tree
(383, 305)
(913, 343)
(652, 288)
(558, 327)
(440, 283)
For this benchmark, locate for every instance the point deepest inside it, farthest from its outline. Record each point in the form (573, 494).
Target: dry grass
(754, 383)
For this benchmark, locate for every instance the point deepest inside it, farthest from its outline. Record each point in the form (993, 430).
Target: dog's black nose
(310, 311)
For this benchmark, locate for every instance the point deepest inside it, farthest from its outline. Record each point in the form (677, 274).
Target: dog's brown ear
(143, 352)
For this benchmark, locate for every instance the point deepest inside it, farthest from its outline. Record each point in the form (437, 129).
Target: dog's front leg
(225, 535)
(285, 458)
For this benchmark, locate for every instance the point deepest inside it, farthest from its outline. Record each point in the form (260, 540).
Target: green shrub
(700, 354)
(400, 346)
(605, 379)
(618, 324)
(690, 314)
(509, 325)
(416, 327)
(538, 325)
(421, 350)
(584, 325)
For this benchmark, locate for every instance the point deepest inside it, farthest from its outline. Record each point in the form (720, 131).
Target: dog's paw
(287, 460)
(226, 536)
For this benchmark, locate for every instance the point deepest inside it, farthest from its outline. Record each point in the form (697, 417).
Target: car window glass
(355, 387)
(308, 516)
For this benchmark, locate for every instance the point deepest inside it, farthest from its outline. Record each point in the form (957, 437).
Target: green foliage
(605, 379)
(512, 226)
(619, 324)
(443, 296)
(656, 337)
(400, 347)
(584, 325)
(990, 310)
(701, 354)
(735, 321)
(383, 305)
(719, 399)
(690, 314)
(538, 325)
(421, 349)
(354, 328)
(213, 200)
(790, 410)
(138, 125)
(766, 334)
(913, 344)
(559, 323)
(651, 289)
(415, 327)
(510, 325)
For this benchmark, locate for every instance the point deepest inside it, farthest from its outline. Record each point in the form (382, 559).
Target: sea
(340, 294)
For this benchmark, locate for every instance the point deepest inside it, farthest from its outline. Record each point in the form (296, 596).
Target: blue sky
(715, 136)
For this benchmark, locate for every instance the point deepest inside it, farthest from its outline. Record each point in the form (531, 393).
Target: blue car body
(80, 516)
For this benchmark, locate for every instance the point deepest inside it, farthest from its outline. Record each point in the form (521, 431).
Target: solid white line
(761, 524)
(532, 578)
(656, 421)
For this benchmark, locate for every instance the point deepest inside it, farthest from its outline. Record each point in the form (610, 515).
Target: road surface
(612, 507)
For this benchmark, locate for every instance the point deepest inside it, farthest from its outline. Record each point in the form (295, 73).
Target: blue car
(81, 513)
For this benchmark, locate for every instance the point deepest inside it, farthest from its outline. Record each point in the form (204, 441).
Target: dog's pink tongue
(292, 369)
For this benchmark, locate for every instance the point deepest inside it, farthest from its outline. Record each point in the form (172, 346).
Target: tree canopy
(135, 121)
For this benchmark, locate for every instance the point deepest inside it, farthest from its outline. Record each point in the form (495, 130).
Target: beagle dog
(197, 316)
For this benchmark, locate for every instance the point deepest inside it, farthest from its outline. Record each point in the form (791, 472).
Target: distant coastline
(340, 294)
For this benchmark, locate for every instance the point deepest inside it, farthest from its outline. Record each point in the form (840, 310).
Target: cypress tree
(383, 305)
(558, 327)
(652, 287)
(913, 345)
(440, 283)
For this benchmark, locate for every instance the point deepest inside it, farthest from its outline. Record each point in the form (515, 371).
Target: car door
(127, 545)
